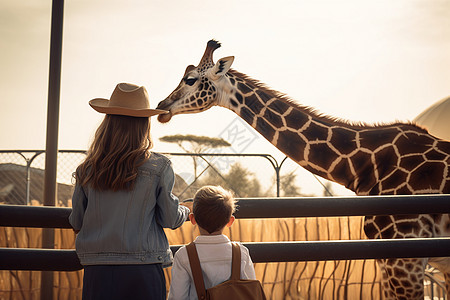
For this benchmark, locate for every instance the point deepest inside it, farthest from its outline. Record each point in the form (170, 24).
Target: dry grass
(293, 280)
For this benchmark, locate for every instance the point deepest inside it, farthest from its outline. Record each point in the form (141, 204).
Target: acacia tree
(197, 144)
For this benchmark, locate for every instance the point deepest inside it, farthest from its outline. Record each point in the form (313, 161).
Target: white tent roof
(436, 119)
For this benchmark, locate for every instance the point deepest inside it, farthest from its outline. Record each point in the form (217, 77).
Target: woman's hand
(189, 203)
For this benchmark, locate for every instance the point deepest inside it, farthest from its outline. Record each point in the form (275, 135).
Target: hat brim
(102, 106)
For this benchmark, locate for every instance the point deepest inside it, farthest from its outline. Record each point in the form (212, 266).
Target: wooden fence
(289, 280)
(343, 279)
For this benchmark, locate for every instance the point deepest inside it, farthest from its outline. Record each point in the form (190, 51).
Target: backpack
(234, 288)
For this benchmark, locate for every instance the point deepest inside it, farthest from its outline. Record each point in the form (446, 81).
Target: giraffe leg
(388, 292)
(403, 278)
(447, 284)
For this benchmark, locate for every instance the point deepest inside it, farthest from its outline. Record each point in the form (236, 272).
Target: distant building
(14, 188)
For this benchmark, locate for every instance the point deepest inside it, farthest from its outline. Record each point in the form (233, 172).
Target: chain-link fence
(247, 175)
(22, 175)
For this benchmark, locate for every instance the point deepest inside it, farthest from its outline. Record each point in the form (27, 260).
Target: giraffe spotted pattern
(394, 158)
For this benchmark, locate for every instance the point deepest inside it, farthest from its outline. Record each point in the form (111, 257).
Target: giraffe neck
(328, 147)
(292, 129)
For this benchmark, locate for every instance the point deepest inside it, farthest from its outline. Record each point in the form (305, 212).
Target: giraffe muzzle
(164, 118)
(167, 104)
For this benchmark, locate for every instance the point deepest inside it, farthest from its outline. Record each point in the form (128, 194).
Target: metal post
(28, 180)
(277, 171)
(54, 86)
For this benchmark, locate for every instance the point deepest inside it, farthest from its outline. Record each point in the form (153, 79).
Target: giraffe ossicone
(388, 159)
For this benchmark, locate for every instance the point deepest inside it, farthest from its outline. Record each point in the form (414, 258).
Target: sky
(360, 60)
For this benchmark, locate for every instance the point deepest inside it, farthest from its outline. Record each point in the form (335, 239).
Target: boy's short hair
(213, 207)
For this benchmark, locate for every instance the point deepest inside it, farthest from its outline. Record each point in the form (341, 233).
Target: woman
(122, 201)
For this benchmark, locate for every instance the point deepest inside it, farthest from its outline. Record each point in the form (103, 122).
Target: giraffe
(383, 159)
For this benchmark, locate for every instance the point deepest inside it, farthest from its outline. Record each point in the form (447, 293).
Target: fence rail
(67, 260)
(59, 260)
(253, 208)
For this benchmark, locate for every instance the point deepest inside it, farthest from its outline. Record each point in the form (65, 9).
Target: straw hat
(128, 100)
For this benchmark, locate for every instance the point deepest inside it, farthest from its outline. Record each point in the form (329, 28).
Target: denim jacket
(126, 227)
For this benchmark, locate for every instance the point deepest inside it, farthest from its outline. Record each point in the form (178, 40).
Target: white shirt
(214, 252)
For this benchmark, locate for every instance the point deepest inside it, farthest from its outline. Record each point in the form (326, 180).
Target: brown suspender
(196, 271)
(236, 262)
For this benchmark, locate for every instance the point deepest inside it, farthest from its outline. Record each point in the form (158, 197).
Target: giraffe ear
(222, 66)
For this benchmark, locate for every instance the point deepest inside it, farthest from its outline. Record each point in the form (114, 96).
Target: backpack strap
(236, 262)
(196, 271)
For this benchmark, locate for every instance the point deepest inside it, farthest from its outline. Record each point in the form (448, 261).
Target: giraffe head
(200, 88)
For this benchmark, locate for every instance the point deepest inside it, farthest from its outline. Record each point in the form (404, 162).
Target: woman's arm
(169, 212)
(79, 204)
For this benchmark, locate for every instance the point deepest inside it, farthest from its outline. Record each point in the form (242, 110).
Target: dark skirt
(124, 282)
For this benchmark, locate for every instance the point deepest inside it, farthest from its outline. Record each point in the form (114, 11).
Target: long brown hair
(121, 144)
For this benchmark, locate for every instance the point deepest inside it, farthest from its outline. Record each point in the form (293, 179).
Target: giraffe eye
(190, 80)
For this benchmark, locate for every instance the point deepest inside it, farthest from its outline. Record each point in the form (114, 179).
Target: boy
(213, 210)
